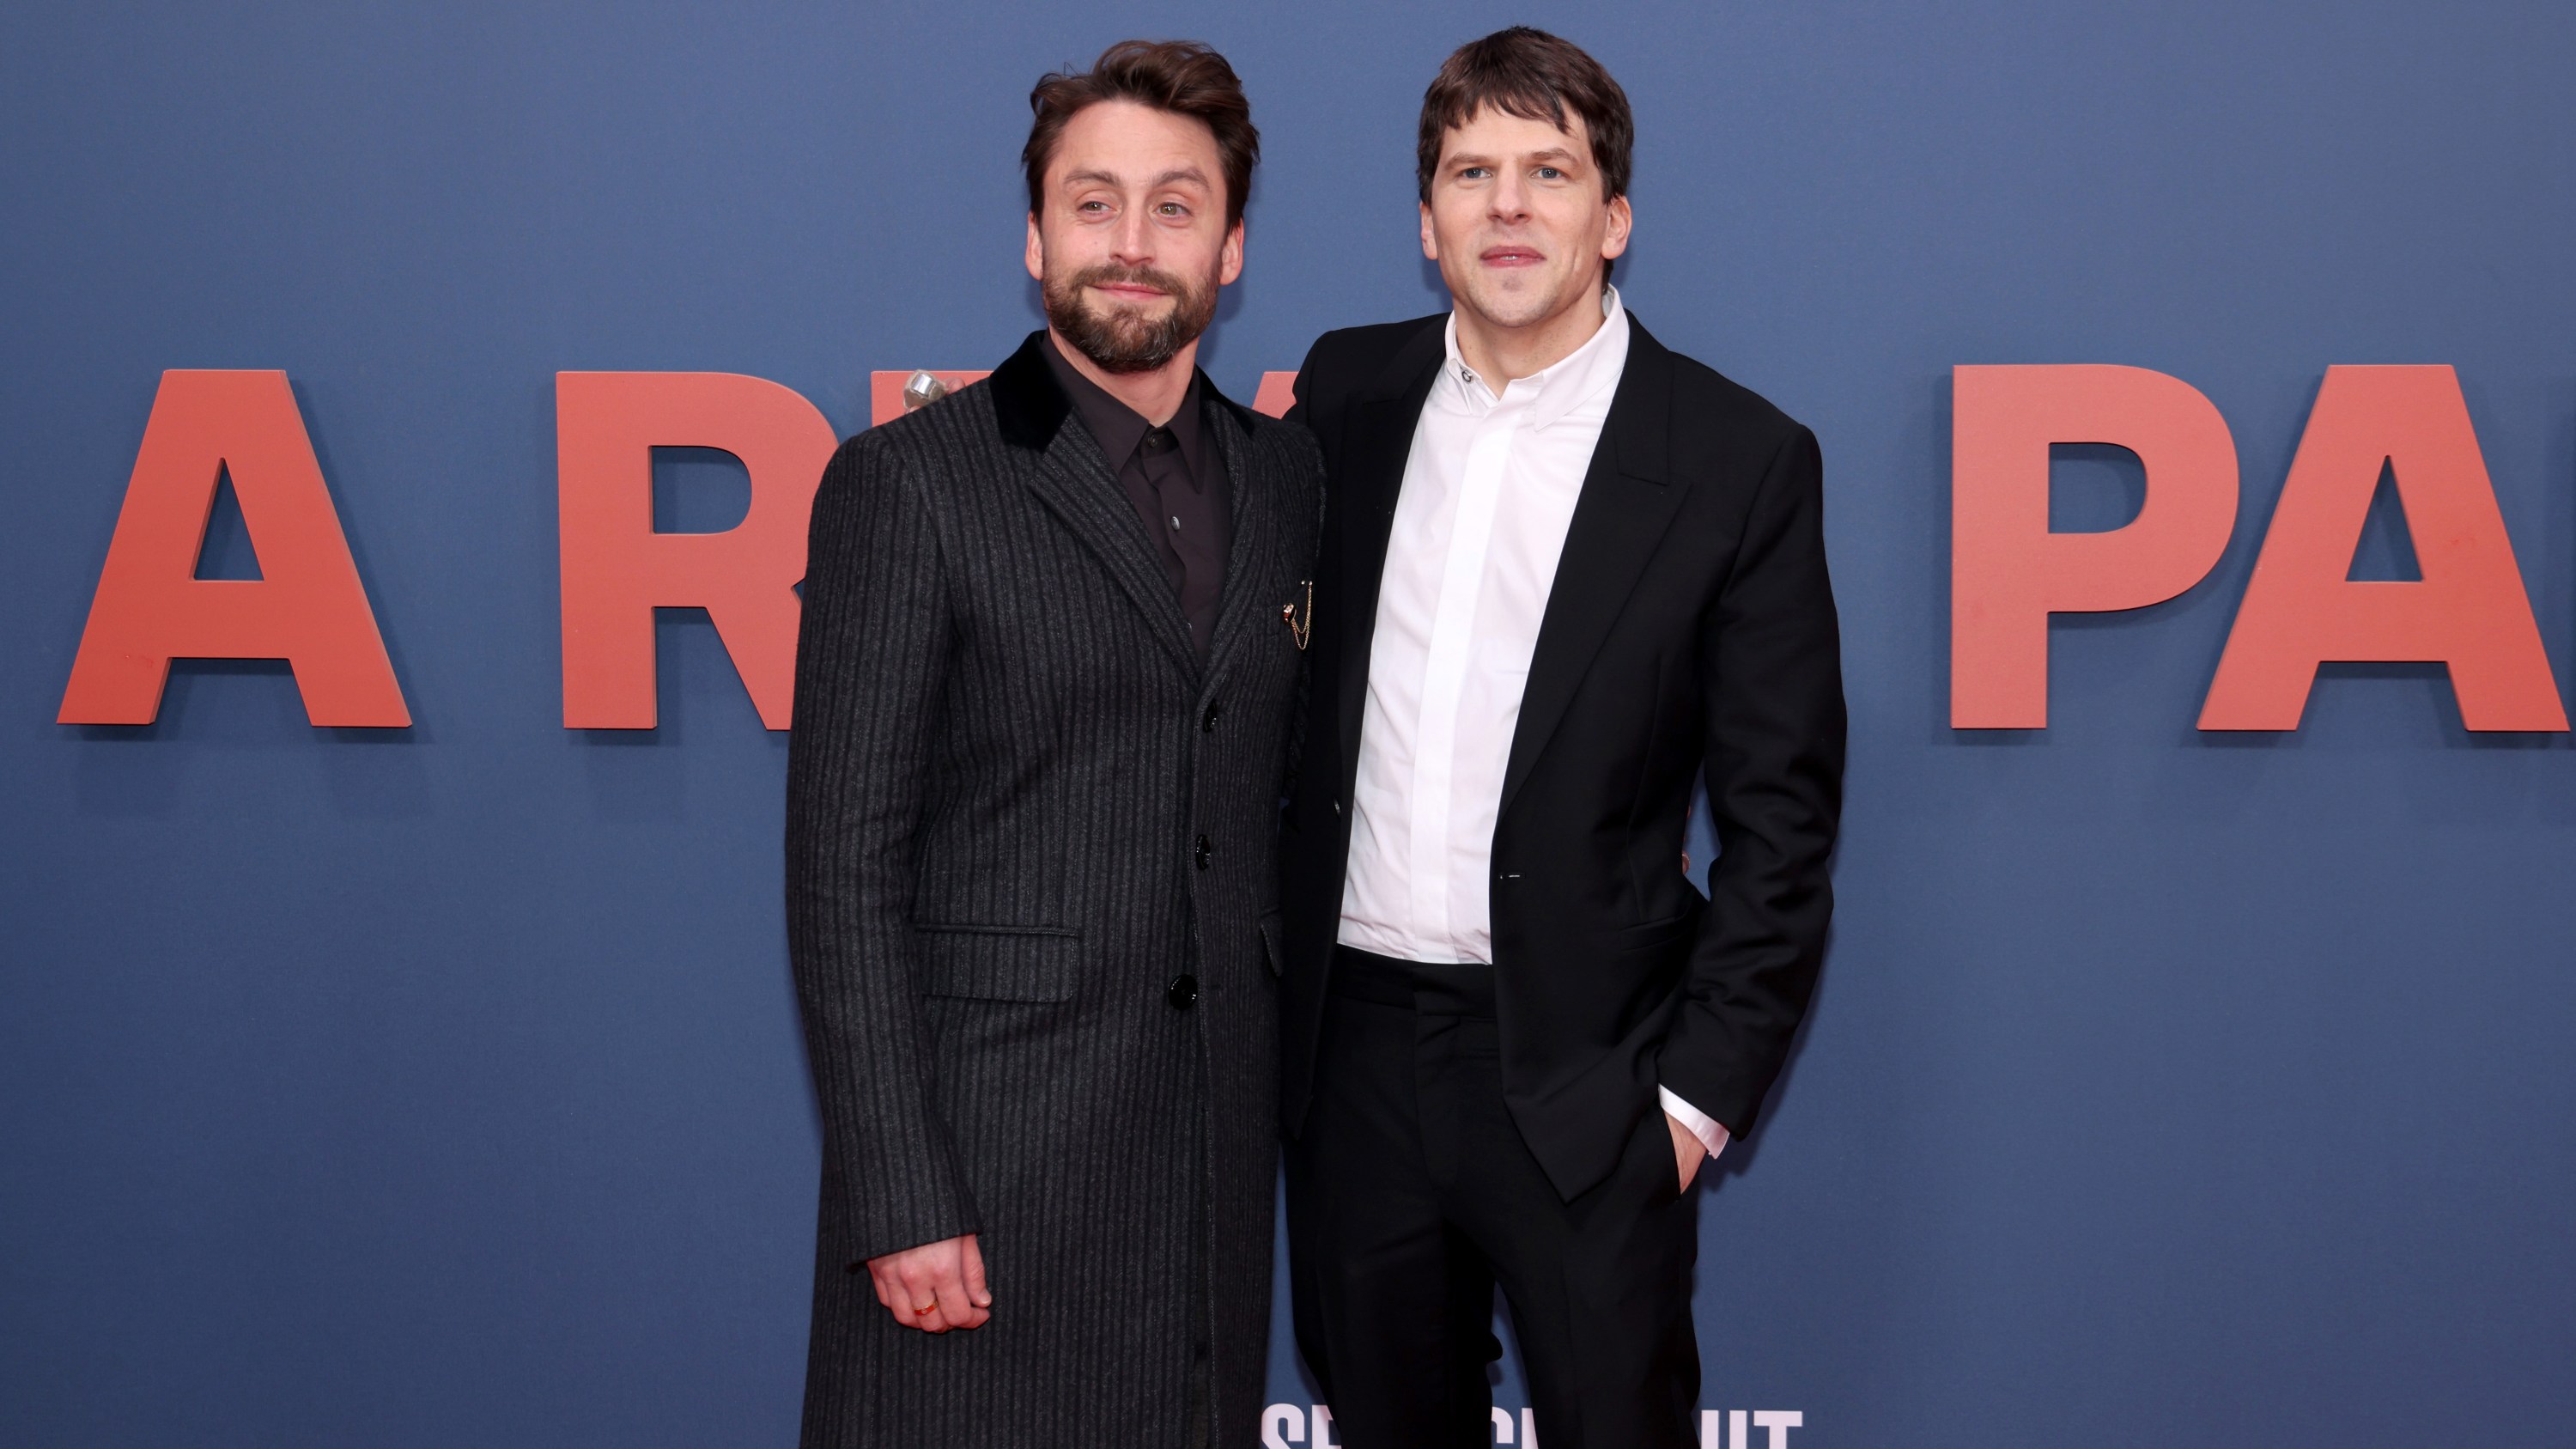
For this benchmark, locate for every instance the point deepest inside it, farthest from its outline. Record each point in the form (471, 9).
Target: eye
(1173, 208)
(1473, 173)
(1550, 173)
(1091, 208)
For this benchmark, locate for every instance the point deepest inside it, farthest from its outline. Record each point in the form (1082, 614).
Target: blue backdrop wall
(442, 1086)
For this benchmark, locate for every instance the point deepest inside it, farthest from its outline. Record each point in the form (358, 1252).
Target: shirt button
(1183, 991)
(1202, 853)
(1207, 724)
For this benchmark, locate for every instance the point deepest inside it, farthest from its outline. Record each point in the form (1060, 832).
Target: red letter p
(2008, 573)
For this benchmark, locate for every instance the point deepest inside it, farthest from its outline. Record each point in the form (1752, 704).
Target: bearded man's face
(1132, 242)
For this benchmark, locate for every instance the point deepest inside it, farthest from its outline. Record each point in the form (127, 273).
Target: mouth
(1510, 256)
(1129, 292)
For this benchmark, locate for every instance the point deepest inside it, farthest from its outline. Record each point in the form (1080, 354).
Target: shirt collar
(1552, 392)
(1118, 428)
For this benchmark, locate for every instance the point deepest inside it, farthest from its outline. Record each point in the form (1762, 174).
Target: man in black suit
(1565, 572)
(1044, 698)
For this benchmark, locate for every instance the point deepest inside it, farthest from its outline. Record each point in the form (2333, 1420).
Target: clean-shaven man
(1043, 707)
(1565, 572)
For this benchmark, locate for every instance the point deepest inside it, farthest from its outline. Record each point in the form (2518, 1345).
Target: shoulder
(960, 422)
(957, 435)
(1283, 455)
(1348, 362)
(1350, 356)
(1710, 409)
(1279, 440)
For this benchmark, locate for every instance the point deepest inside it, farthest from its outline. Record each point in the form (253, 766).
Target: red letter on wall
(1278, 393)
(617, 570)
(306, 607)
(2302, 607)
(2008, 573)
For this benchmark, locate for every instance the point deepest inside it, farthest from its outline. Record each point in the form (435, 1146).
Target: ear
(1430, 241)
(1037, 250)
(1615, 239)
(1230, 258)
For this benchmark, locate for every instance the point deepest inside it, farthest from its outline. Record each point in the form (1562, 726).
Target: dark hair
(1184, 77)
(1536, 76)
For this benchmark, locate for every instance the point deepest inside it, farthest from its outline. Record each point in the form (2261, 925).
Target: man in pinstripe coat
(1043, 703)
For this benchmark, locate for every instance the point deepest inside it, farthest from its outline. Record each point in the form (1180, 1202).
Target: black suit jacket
(1690, 628)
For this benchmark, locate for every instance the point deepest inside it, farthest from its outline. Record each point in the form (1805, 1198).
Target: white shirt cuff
(1710, 1134)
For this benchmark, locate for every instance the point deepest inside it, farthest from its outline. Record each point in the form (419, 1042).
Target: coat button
(1183, 991)
(1201, 854)
(1207, 723)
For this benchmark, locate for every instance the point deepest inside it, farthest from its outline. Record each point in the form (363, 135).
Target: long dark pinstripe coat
(1005, 761)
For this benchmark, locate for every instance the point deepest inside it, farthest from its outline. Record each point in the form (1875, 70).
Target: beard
(1125, 339)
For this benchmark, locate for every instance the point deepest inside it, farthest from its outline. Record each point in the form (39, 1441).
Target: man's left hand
(1688, 1151)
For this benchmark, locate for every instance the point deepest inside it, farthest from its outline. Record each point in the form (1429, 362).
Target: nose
(1132, 244)
(1509, 200)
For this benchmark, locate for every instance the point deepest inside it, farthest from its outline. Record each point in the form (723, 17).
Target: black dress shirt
(1174, 478)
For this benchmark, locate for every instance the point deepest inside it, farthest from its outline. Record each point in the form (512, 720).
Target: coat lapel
(1073, 480)
(1245, 600)
(1382, 425)
(1628, 500)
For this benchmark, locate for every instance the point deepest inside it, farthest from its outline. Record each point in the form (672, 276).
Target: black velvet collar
(1031, 406)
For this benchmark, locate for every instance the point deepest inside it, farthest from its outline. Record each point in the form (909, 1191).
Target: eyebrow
(1554, 155)
(1169, 178)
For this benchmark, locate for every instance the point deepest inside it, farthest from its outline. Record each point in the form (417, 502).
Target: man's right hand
(935, 1287)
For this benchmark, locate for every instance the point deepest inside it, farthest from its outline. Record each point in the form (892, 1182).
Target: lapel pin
(1300, 629)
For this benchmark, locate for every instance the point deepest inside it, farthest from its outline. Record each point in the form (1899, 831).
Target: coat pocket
(1656, 935)
(999, 963)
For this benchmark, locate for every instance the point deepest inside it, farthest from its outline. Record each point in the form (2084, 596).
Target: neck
(1155, 396)
(1503, 355)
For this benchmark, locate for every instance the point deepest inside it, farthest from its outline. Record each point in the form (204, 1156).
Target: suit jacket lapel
(1381, 440)
(1628, 500)
(1073, 480)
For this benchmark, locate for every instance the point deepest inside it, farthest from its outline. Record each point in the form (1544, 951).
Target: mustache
(1112, 274)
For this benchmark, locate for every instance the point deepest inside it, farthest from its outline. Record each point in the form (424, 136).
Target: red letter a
(306, 607)
(2302, 608)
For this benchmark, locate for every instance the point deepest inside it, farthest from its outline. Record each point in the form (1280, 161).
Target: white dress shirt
(1489, 491)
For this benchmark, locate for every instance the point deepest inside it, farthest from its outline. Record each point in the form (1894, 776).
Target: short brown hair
(1537, 77)
(1184, 77)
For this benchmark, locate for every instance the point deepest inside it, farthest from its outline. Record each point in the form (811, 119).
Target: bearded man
(1043, 702)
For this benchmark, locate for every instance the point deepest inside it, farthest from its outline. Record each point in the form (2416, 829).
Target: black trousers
(1411, 1197)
